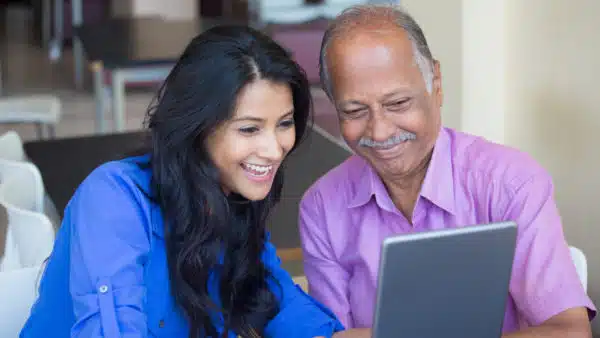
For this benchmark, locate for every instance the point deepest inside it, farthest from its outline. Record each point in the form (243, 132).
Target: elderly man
(410, 174)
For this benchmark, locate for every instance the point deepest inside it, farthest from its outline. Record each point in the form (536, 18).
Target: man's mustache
(390, 142)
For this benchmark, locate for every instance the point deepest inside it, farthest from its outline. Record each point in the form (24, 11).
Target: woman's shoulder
(112, 206)
(131, 174)
(115, 192)
(107, 211)
(130, 170)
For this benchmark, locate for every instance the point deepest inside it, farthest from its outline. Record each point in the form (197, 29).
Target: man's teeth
(258, 169)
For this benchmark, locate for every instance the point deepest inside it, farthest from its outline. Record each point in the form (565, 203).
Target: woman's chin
(254, 197)
(254, 193)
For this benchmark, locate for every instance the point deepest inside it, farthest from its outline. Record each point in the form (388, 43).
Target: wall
(553, 110)
(443, 30)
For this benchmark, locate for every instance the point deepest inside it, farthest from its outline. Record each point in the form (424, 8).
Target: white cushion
(11, 146)
(18, 292)
(9, 259)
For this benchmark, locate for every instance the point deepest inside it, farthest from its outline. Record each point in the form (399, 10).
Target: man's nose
(380, 128)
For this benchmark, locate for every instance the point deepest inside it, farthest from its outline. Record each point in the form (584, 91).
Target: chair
(21, 185)
(11, 146)
(34, 183)
(9, 253)
(20, 188)
(18, 291)
(42, 110)
(580, 265)
(32, 235)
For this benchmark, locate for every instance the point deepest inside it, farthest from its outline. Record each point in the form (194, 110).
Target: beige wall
(553, 96)
(524, 73)
(443, 30)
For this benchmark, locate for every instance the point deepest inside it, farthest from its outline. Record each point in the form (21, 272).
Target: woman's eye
(287, 123)
(248, 130)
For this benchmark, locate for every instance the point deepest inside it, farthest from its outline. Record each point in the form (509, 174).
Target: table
(134, 50)
(64, 163)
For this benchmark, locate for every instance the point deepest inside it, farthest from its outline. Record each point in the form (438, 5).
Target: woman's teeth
(257, 170)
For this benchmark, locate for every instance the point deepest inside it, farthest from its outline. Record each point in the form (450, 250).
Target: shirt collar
(438, 185)
(367, 185)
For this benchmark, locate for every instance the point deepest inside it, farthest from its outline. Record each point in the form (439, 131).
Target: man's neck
(404, 191)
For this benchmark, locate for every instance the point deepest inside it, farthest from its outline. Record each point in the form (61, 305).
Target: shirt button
(103, 289)
(161, 323)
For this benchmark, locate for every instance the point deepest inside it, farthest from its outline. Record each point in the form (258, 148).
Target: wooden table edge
(290, 254)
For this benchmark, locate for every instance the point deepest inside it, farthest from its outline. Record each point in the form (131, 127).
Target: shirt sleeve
(544, 280)
(327, 279)
(300, 315)
(109, 244)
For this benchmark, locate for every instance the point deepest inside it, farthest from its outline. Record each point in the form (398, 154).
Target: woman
(172, 243)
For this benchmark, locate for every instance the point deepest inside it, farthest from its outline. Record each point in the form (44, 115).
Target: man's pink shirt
(346, 214)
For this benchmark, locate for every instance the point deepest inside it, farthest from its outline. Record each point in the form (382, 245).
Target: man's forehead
(366, 56)
(362, 44)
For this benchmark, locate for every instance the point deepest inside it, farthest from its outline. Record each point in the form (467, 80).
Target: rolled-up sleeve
(544, 281)
(300, 315)
(109, 245)
(327, 279)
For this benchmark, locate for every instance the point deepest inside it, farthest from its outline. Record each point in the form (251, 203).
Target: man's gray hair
(377, 15)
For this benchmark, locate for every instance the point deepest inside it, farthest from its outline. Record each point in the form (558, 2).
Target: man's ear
(437, 89)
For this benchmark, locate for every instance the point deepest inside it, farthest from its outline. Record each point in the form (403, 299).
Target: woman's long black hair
(208, 232)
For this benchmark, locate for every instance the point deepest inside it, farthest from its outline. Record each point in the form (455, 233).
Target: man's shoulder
(492, 161)
(338, 182)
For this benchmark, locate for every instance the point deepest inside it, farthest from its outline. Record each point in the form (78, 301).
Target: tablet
(450, 283)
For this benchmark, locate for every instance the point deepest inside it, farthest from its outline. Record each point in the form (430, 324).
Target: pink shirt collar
(439, 174)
